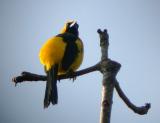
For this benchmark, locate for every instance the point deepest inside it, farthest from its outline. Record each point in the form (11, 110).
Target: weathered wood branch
(139, 110)
(109, 69)
(27, 76)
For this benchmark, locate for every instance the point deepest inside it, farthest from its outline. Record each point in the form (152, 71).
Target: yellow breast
(52, 52)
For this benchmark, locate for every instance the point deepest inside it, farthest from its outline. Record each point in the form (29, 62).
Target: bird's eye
(68, 24)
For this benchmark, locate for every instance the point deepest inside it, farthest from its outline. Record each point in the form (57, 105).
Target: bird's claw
(71, 75)
(73, 78)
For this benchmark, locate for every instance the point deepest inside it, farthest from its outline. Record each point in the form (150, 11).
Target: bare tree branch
(139, 110)
(109, 69)
(27, 76)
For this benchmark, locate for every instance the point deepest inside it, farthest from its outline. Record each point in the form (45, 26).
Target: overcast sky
(134, 31)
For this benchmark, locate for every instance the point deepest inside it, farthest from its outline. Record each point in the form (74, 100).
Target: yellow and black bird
(61, 54)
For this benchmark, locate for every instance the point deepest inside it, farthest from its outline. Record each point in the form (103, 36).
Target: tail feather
(51, 93)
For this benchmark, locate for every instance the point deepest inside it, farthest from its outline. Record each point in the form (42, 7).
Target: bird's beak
(74, 24)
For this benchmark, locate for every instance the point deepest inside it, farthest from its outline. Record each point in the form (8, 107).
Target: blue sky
(134, 30)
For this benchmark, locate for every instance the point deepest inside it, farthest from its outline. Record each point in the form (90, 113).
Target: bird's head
(71, 27)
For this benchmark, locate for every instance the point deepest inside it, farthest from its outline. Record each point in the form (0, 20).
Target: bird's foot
(71, 75)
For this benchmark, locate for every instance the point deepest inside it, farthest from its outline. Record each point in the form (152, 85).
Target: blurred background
(134, 31)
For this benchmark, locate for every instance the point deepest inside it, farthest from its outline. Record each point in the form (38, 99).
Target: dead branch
(109, 69)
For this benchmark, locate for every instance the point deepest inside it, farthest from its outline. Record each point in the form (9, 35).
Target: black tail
(51, 93)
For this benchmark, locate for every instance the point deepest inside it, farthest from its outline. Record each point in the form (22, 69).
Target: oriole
(60, 54)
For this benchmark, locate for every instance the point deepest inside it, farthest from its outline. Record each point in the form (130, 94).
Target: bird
(61, 54)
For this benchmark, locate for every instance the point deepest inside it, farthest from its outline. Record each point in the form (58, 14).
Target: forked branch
(109, 69)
